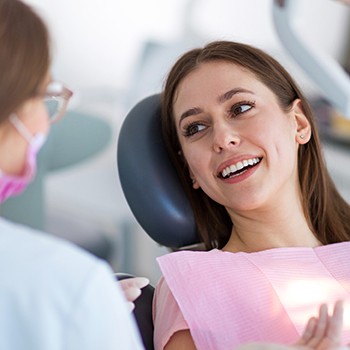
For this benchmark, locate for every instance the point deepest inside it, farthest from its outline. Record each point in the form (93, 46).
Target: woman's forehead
(216, 79)
(215, 73)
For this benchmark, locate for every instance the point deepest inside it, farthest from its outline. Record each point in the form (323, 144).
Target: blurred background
(112, 53)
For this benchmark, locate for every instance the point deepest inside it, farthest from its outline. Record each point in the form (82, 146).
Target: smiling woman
(244, 142)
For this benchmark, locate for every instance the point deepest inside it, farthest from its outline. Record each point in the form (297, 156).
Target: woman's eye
(241, 108)
(193, 129)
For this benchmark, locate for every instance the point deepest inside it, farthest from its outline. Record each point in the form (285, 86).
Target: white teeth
(239, 165)
(232, 169)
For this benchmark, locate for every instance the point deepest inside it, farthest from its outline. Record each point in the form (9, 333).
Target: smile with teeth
(239, 167)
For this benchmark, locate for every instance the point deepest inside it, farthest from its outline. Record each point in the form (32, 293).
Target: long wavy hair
(327, 213)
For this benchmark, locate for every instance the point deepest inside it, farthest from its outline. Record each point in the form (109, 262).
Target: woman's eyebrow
(189, 112)
(227, 95)
(221, 99)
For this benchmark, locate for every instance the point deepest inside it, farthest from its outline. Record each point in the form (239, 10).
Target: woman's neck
(258, 242)
(266, 229)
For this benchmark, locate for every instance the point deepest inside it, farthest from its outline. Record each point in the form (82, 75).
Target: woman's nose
(224, 137)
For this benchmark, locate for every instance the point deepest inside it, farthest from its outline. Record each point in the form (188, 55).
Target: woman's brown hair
(327, 213)
(24, 55)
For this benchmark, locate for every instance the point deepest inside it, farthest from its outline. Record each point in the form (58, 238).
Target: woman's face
(13, 146)
(240, 146)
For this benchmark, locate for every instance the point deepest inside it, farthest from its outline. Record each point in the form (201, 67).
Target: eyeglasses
(56, 100)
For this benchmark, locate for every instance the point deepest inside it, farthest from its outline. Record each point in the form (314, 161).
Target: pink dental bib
(228, 299)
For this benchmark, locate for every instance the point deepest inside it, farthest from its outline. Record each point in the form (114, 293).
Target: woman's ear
(195, 184)
(303, 127)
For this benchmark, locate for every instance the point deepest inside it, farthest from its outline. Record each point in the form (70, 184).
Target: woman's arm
(171, 331)
(180, 340)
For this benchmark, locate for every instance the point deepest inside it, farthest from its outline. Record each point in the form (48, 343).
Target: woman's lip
(241, 176)
(233, 161)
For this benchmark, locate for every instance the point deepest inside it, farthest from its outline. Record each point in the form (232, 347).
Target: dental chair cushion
(149, 180)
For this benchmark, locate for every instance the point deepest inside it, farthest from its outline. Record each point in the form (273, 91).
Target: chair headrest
(149, 180)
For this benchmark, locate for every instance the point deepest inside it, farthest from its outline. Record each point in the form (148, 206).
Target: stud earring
(302, 136)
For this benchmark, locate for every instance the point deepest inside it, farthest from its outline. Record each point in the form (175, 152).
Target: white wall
(97, 41)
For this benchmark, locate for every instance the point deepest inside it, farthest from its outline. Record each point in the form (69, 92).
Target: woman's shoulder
(33, 257)
(27, 241)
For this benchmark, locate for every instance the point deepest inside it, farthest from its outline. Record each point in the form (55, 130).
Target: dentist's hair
(24, 55)
(326, 212)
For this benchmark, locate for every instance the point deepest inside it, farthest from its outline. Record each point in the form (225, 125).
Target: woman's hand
(321, 333)
(324, 332)
(132, 289)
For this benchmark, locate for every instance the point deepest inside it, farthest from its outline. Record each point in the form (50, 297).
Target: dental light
(326, 72)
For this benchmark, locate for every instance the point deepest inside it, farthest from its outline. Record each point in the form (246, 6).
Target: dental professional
(244, 142)
(53, 295)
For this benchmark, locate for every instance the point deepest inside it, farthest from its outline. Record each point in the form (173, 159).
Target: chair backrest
(149, 180)
(153, 192)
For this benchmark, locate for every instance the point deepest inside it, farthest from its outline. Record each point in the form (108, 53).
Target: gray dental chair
(149, 180)
(153, 192)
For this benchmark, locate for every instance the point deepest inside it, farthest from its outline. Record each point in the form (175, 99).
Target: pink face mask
(11, 185)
